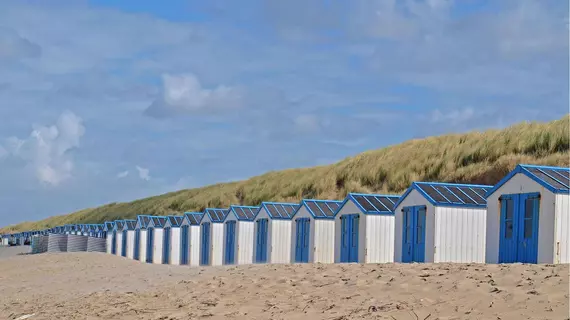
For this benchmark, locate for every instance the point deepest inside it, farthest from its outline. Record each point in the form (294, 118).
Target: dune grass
(475, 157)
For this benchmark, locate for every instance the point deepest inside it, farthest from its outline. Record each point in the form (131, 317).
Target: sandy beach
(101, 286)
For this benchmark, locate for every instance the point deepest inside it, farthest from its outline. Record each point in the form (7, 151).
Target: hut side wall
(460, 234)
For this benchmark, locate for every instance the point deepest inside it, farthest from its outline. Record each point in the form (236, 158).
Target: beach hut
(5, 239)
(239, 235)
(172, 240)
(143, 239)
(212, 237)
(156, 243)
(313, 234)
(441, 222)
(128, 239)
(118, 231)
(111, 236)
(528, 216)
(272, 231)
(364, 228)
(190, 239)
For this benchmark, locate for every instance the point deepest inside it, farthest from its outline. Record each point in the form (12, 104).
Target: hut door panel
(413, 249)
(137, 251)
(205, 250)
(349, 238)
(166, 246)
(302, 240)
(230, 242)
(124, 244)
(149, 245)
(114, 243)
(261, 241)
(184, 250)
(519, 228)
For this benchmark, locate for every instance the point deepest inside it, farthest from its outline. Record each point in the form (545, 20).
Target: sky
(107, 101)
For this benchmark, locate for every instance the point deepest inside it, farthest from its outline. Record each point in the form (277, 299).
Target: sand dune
(100, 286)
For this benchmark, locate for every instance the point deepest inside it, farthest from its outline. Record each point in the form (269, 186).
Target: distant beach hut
(143, 239)
(172, 240)
(5, 239)
(364, 228)
(441, 222)
(156, 229)
(118, 231)
(528, 216)
(239, 235)
(111, 236)
(314, 231)
(273, 232)
(128, 238)
(190, 239)
(212, 237)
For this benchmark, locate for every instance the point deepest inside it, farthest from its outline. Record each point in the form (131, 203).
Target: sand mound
(100, 286)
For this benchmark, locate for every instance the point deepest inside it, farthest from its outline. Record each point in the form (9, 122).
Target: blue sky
(106, 101)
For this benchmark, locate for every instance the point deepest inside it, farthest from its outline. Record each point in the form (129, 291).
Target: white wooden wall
(379, 245)
(130, 244)
(321, 237)
(142, 247)
(217, 244)
(562, 235)
(157, 246)
(175, 246)
(414, 198)
(520, 183)
(459, 234)
(280, 241)
(109, 241)
(245, 242)
(194, 245)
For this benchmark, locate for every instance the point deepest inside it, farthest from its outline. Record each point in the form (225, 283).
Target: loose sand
(101, 286)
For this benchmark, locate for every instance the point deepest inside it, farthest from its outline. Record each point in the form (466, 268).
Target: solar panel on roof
(290, 209)
(272, 211)
(240, 213)
(281, 209)
(480, 191)
(389, 202)
(432, 193)
(334, 206)
(553, 182)
(364, 203)
(474, 197)
(376, 202)
(251, 212)
(447, 194)
(557, 175)
(315, 209)
(327, 211)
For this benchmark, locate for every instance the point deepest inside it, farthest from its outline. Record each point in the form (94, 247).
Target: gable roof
(193, 218)
(450, 194)
(175, 221)
(244, 213)
(216, 215)
(119, 224)
(129, 224)
(372, 203)
(143, 221)
(158, 222)
(109, 225)
(279, 210)
(320, 209)
(554, 179)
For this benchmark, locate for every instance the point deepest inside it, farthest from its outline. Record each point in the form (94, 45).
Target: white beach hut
(156, 231)
(128, 239)
(172, 240)
(313, 234)
(239, 235)
(142, 244)
(118, 231)
(190, 239)
(364, 228)
(272, 229)
(110, 235)
(528, 216)
(441, 222)
(212, 237)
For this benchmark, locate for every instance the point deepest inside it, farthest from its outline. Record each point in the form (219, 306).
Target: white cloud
(144, 173)
(123, 174)
(453, 117)
(47, 151)
(184, 93)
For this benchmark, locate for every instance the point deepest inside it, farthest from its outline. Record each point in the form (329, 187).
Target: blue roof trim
(415, 186)
(522, 168)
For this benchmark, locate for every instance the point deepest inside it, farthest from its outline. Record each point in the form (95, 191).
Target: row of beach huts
(524, 218)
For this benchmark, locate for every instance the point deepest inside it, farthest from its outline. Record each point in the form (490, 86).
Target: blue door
(413, 242)
(349, 237)
(205, 250)
(166, 246)
(114, 243)
(303, 226)
(149, 244)
(230, 242)
(261, 241)
(137, 251)
(184, 249)
(518, 240)
(124, 244)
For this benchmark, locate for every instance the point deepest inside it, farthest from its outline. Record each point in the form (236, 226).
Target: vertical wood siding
(157, 246)
(142, 246)
(379, 238)
(562, 241)
(217, 244)
(175, 246)
(322, 235)
(459, 234)
(245, 242)
(130, 244)
(279, 234)
(194, 246)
